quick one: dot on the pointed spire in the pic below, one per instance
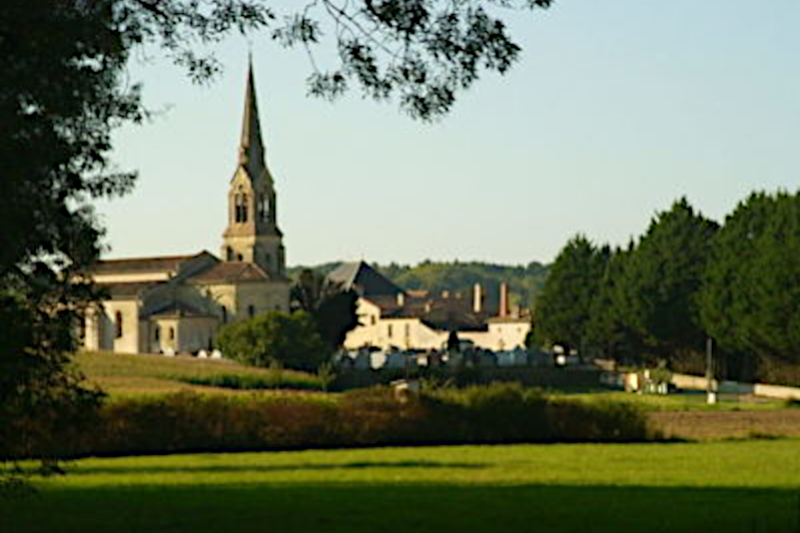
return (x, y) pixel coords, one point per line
(251, 148)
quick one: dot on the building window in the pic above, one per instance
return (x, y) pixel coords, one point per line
(224, 315)
(118, 320)
(389, 331)
(373, 320)
(240, 203)
(229, 253)
(171, 333)
(239, 257)
(263, 208)
(157, 333)
(251, 310)
(408, 330)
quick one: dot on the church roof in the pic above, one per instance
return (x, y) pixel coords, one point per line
(139, 265)
(178, 308)
(251, 145)
(363, 279)
(231, 271)
(124, 291)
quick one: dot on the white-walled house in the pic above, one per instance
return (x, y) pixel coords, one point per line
(391, 317)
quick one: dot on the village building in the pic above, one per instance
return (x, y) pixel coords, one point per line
(177, 304)
(393, 318)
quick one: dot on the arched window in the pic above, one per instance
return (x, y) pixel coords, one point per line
(229, 253)
(240, 203)
(171, 333)
(263, 208)
(157, 333)
(118, 320)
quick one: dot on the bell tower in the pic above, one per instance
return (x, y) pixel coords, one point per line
(252, 234)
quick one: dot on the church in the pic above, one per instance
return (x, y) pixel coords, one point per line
(176, 304)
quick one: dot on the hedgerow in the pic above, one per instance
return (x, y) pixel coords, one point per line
(500, 413)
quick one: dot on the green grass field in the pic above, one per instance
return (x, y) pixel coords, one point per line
(125, 375)
(747, 486)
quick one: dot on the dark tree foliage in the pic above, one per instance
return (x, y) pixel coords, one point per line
(420, 52)
(607, 330)
(662, 279)
(423, 52)
(291, 339)
(751, 297)
(453, 344)
(332, 307)
(564, 306)
(59, 99)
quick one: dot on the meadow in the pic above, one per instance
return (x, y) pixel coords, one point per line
(735, 478)
(123, 375)
(682, 416)
(735, 486)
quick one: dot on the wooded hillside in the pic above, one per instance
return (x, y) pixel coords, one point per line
(525, 281)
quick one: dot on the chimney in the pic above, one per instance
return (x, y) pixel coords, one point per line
(477, 298)
(503, 311)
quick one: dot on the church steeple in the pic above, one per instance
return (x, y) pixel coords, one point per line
(251, 146)
(252, 234)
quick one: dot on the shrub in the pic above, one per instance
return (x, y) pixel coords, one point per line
(250, 382)
(600, 421)
(773, 370)
(188, 422)
(291, 339)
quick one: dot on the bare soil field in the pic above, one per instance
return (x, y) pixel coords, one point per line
(714, 425)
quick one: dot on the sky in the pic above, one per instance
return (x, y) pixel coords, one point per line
(615, 110)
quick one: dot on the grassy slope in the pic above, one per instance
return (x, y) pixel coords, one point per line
(121, 374)
(725, 486)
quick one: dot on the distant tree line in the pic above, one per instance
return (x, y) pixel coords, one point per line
(685, 280)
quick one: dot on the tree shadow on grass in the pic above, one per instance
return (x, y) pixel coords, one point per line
(85, 470)
(417, 507)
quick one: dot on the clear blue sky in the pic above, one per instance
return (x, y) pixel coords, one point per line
(615, 110)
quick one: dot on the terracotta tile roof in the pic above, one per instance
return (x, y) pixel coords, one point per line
(230, 271)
